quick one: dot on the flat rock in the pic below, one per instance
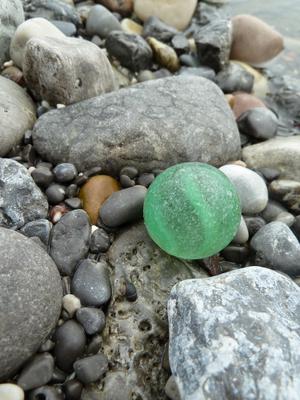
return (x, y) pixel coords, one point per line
(66, 70)
(281, 153)
(141, 324)
(11, 15)
(235, 336)
(277, 247)
(17, 114)
(30, 299)
(154, 124)
(21, 201)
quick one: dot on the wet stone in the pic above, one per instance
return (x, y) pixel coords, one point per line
(64, 172)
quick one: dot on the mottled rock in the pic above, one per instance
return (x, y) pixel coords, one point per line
(131, 50)
(32, 28)
(281, 153)
(94, 193)
(177, 13)
(70, 240)
(101, 22)
(55, 69)
(21, 201)
(37, 372)
(17, 114)
(11, 15)
(30, 299)
(164, 55)
(277, 247)
(139, 126)
(213, 43)
(91, 369)
(140, 325)
(254, 41)
(233, 336)
(156, 28)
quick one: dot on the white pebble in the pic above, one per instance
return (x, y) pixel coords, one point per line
(71, 304)
(242, 234)
(8, 391)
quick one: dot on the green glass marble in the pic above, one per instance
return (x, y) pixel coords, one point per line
(192, 211)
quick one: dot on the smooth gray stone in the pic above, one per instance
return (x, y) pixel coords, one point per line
(204, 72)
(260, 123)
(64, 172)
(277, 247)
(67, 28)
(21, 201)
(131, 50)
(42, 176)
(158, 29)
(17, 114)
(30, 299)
(11, 15)
(123, 206)
(55, 193)
(101, 22)
(70, 240)
(40, 228)
(91, 283)
(92, 319)
(91, 369)
(70, 341)
(236, 336)
(37, 372)
(139, 126)
(72, 389)
(235, 78)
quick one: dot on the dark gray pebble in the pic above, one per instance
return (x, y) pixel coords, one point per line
(65, 172)
(42, 176)
(46, 393)
(126, 182)
(73, 202)
(72, 389)
(145, 179)
(235, 78)
(260, 123)
(180, 43)
(71, 190)
(70, 341)
(40, 228)
(95, 345)
(55, 193)
(189, 60)
(296, 227)
(37, 372)
(236, 254)
(91, 369)
(131, 172)
(100, 241)
(58, 376)
(92, 319)
(131, 293)
(254, 224)
(47, 346)
(123, 206)
(158, 29)
(91, 283)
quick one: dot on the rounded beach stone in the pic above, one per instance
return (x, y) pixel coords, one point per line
(253, 41)
(192, 211)
(30, 299)
(9, 391)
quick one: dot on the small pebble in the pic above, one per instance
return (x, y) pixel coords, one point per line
(65, 172)
(131, 293)
(260, 123)
(71, 190)
(46, 393)
(126, 182)
(47, 346)
(58, 376)
(37, 372)
(92, 319)
(91, 369)
(242, 234)
(42, 176)
(236, 254)
(71, 304)
(9, 391)
(145, 179)
(40, 228)
(100, 241)
(55, 193)
(57, 212)
(254, 224)
(73, 203)
(131, 172)
(72, 389)
(95, 345)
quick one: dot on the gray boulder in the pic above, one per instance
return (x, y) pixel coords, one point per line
(30, 299)
(154, 124)
(11, 15)
(17, 114)
(136, 331)
(21, 201)
(236, 336)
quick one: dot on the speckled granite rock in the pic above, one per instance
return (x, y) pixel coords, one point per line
(154, 124)
(236, 336)
(21, 201)
(136, 332)
(30, 299)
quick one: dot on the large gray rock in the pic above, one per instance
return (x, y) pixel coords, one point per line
(17, 114)
(66, 70)
(11, 15)
(236, 336)
(30, 299)
(154, 124)
(281, 153)
(21, 201)
(136, 332)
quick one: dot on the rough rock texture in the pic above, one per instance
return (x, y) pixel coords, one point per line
(281, 153)
(11, 15)
(140, 325)
(236, 336)
(151, 125)
(69, 241)
(21, 201)
(17, 114)
(35, 27)
(66, 70)
(30, 299)
(176, 13)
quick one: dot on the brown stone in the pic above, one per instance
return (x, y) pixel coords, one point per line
(164, 55)
(254, 41)
(94, 193)
(244, 102)
(14, 74)
(123, 7)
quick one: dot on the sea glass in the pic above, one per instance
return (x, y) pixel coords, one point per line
(192, 211)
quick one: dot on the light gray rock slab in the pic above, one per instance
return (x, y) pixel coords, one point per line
(237, 336)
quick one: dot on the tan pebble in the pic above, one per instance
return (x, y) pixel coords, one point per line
(164, 55)
(71, 304)
(130, 26)
(244, 102)
(230, 99)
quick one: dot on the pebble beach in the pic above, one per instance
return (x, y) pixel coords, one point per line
(149, 200)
